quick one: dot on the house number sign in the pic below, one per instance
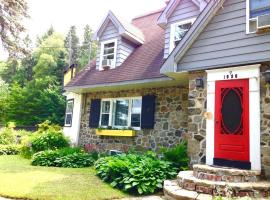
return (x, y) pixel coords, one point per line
(230, 75)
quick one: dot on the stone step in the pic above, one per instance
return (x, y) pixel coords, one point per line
(172, 191)
(213, 173)
(187, 181)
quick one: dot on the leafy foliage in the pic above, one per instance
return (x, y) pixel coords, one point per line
(135, 173)
(7, 136)
(49, 140)
(12, 14)
(67, 157)
(177, 155)
(10, 149)
(46, 138)
(39, 100)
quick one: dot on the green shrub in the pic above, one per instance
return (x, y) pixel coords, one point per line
(11, 149)
(7, 136)
(42, 141)
(49, 140)
(47, 125)
(67, 157)
(135, 173)
(177, 155)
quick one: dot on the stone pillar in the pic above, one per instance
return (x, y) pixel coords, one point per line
(265, 124)
(196, 121)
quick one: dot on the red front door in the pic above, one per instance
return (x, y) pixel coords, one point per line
(232, 123)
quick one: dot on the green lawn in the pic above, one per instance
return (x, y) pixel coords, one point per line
(19, 179)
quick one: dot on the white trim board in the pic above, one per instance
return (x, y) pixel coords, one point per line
(73, 131)
(251, 72)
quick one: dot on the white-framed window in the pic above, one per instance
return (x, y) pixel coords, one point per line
(121, 112)
(69, 112)
(178, 31)
(255, 8)
(108, 54)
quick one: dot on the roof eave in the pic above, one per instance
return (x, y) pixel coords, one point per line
(122, 83)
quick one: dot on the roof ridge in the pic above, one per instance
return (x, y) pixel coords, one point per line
(148, 14)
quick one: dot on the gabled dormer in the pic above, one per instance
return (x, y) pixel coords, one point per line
(117, 39)
(177, 18)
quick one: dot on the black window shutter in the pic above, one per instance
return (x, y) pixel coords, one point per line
(148, 112)
(94, 113)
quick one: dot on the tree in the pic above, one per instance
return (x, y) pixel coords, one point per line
(3, 101)
(51, 57)
(49, 32)
(39, 100)
(72, 45)
(87, 46)
(9, 69)
(12, 13)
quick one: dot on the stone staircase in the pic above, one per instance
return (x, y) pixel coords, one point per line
(205, 181)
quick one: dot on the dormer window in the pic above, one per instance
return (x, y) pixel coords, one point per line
(178, 31)
(108, 54)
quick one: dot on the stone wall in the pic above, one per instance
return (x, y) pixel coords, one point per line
(171, 121)
(196, 122)
(265, 123)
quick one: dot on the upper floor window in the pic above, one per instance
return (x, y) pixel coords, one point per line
(121, 113)
(259, 7)
(108, 54)
(178, 31)
(69, 112)
(255, 9)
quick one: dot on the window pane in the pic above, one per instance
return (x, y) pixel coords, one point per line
(183, 27)
(181, 30)
(136, 106)
(259, 7)
(68, 119)
(69, 107)
(111, 56)
(105, 107)
(109, 51)
(135, 120)
(108, 45)
(105, 119)
(121, 113)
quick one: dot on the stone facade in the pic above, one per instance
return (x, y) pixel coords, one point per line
(171, 121)
(265, 123)
(196, 121)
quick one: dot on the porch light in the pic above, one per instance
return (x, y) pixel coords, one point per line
(267, 76)
(199, 82)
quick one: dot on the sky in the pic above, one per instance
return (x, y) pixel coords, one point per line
(61, 14)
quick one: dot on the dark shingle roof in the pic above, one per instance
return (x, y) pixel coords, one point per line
(144, 62)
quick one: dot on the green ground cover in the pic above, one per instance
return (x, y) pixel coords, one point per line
(18, 179)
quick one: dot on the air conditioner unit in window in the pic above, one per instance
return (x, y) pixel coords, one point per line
(107, 63)
(263, 23)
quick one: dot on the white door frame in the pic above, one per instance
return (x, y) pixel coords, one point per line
(251, 72)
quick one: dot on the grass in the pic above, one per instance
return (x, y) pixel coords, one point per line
(18, 179)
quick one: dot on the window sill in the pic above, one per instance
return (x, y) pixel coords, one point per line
(121, 133)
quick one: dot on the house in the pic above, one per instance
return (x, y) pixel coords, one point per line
(195, 70)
